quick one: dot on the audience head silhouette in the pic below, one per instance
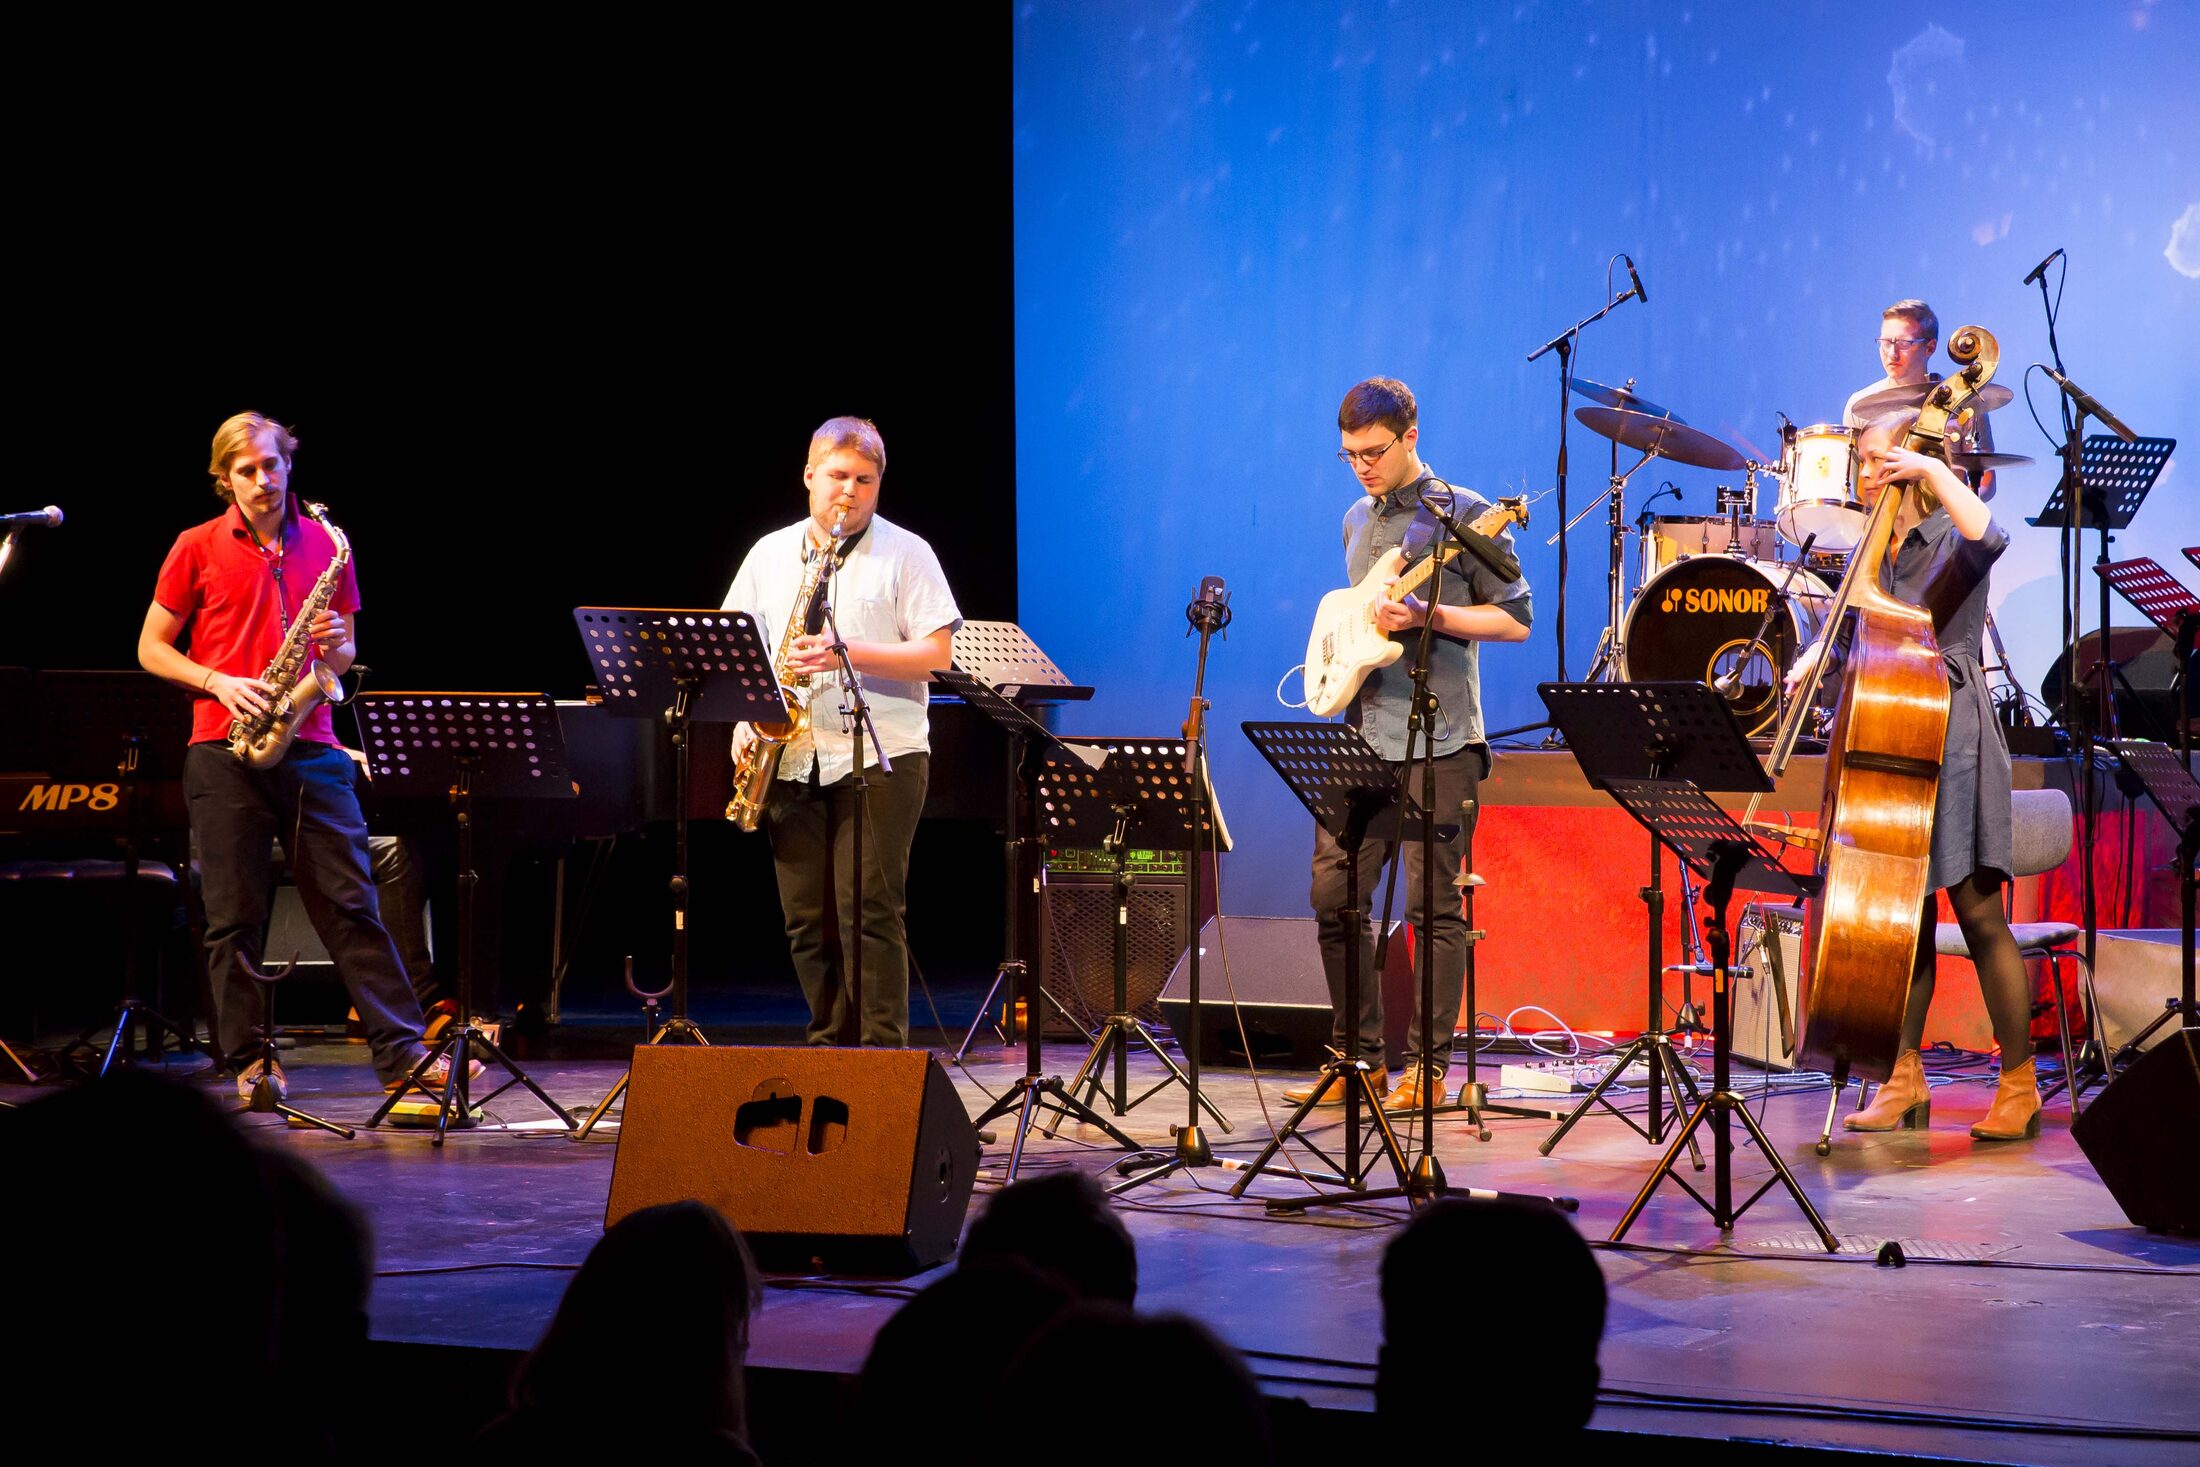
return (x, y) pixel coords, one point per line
(654, 1327)
(1514, 1260)
(1060, 1225)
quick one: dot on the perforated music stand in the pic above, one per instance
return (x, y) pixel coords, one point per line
(1002, 656)
(2166, 775)
(131, 727)
(1655, 731)
(1033, 1091)
(1690, 824)
(686, 666)
(501, 746)
(2114, 477)
(2175, 610)
(1140, 797)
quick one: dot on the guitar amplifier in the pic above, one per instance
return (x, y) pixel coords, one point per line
(1767, 963)
(1077, 931)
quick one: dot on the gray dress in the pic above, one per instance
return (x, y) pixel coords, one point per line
(1938, 569)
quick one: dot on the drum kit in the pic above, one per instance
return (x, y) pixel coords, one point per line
(1705, 583)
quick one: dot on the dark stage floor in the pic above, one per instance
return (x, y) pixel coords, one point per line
(2033, 1323)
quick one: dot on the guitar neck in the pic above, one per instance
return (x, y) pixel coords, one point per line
(1491, 520)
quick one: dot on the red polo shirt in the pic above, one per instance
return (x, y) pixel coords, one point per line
(241, 598)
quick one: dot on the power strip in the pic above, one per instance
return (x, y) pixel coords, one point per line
(1566, 1076)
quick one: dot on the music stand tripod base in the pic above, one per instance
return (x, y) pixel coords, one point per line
(684, 665)
(467, 746)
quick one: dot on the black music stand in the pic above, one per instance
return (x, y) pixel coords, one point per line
(2167, 778)
(469, 745)
(266, 1101)
(1032, 1091)
(2100, 489)
(1681, 731)
(1142, 797)
(1686, 820)
(142, 721)
(686, 667)
(1353, 794)
(1001, 655)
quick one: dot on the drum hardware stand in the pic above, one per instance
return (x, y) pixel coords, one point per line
(495, 745)
(1606, 663)
(1674, 733)
(1034, 1090)
(685, 667)
(1564, 344)
(264, 1099)
(1002, 656)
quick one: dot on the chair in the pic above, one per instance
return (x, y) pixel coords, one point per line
(2040, 842)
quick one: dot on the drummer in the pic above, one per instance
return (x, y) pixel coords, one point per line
(1908, 333)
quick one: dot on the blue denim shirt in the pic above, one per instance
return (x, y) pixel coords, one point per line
(1373, 526)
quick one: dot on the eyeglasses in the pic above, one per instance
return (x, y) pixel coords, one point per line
(1904, 342)
(1367, 456)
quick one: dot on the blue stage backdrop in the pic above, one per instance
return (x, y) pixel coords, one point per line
(1226, 214)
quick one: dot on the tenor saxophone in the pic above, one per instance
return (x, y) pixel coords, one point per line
(758, 764)
(300, 679)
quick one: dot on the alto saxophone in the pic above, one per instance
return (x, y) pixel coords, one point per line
(758, 764)
(300, 680)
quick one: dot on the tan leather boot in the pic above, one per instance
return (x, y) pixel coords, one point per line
(2015, 1113)
(1904, 1101)
(1334, 1093)
(1407, 1095)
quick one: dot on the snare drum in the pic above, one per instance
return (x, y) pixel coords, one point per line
(1672, 537)
(1818, 489)
(1694, 621)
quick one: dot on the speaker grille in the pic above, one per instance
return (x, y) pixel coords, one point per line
(1077, 930)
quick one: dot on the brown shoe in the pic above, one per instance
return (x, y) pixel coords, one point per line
(2015, 1113)
(1408, 1094)
(1334, 1095)
(1904, 1101)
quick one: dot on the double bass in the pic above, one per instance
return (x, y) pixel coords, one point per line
(1862, 926)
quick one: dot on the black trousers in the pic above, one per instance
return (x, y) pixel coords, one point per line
(307, 803)
(812, 832)
(1458, 778)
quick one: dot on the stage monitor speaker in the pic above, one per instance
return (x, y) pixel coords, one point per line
(1764, 985)
(859, 1159)
(1276, 969)
(2142, 1135)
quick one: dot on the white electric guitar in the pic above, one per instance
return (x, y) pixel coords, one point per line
(1347, 645)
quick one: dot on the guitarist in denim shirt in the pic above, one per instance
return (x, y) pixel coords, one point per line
(1380, 442)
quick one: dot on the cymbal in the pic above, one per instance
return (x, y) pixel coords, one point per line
(1622, 397)
(1992, 460)
(1991, 398)
(1665, 437)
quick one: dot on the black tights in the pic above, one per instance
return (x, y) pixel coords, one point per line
(2001, 976)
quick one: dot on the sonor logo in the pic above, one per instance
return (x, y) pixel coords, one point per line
(59, 797)
(1751, 601)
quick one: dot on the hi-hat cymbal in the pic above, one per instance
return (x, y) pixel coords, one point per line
(1991, 398)
(1665, 437)
(1622, 397)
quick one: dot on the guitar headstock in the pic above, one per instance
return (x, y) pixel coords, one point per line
(1512, 509)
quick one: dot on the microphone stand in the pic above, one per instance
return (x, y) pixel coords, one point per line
(855, 716)
(1207, 615)
(1564, 344)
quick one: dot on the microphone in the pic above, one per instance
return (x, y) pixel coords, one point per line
(2041, 268)
(2086, 401)
(1631, 275)
(45, 518)
(1210, 610)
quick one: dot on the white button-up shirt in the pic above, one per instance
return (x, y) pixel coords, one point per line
(889, 589)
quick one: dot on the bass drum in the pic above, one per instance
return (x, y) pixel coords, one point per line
(1695, 620)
